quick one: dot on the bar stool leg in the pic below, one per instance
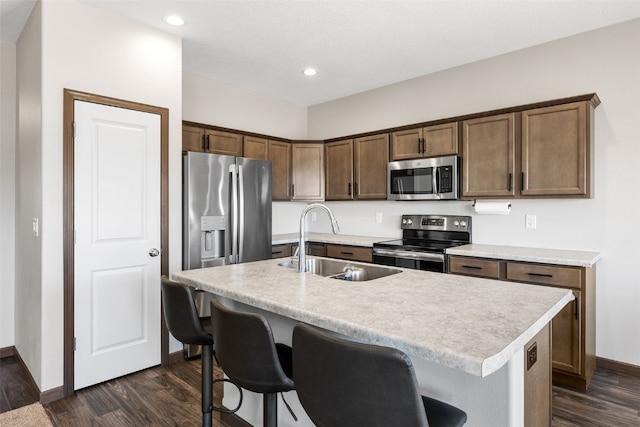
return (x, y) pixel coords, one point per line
(207, 384)
(270, 410)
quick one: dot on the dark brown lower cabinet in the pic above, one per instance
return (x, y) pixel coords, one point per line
(353, 253)
(537, 380)
(289, 249)
(573, 330)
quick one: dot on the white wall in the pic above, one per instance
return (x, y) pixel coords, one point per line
(605, 61)
(90, 50)
(210, 102)
(7, 190)
(28, 248)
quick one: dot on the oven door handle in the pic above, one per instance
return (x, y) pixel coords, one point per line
(427, 256)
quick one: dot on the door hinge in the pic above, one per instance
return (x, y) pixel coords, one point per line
(73, 125)
(74, 343)
(74, 237)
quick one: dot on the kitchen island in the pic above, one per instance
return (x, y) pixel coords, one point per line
(465, 336)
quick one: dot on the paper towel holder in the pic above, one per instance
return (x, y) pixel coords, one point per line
(491, 208)
(476, 200)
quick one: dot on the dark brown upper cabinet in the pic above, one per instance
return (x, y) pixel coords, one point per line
(429, 141)
(356, 169)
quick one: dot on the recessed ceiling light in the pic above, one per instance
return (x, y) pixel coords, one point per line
(174, 20)
(309, 72)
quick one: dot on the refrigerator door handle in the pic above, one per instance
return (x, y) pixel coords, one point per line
(239, 231)
(233, 215)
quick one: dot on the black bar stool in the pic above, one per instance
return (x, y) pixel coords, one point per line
(344, 383)
(249, 356)
(184, 324)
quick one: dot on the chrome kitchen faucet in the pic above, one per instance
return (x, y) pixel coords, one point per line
(302, 251)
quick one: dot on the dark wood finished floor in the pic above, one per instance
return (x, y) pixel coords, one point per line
(15, 387)
(170, 396)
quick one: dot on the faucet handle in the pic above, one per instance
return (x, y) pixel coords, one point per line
(297, 251)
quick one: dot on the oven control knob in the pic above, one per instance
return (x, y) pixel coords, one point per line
(409, 221)
(463, 224)
(456, 223)
(404, 221)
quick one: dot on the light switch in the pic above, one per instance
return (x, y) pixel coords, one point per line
(378, 217)
(36, 227)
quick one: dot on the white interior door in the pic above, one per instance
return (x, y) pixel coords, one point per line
(117, 234)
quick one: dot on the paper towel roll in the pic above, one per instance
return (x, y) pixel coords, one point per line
(492, 208)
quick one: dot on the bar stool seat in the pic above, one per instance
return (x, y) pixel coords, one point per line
(344, 383)
(248, 355)
(182, 320)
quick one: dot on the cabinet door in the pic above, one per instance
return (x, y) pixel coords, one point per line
(406, 144)
(554, 150)
(280, 156)
(566, 330)
(440, 140)
(307, 172)
(371, 158)
(488, 156)
(223, 143)
(255, 148)
(339, 170)
(192, 138)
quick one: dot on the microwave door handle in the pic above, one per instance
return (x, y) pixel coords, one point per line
(434, 180)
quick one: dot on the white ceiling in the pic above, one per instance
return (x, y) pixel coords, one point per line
(355, 45)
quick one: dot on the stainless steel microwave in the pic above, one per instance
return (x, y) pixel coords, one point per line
(423, 179)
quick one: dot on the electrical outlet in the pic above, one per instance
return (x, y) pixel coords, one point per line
(35, 226)
(313, 216)
(378, 217)
(532, 355)
(530, 221)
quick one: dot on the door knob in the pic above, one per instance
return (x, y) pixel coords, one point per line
(153, 252)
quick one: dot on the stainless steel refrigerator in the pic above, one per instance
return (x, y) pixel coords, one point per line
(226, 214)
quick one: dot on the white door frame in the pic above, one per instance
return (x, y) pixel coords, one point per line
(68, 226)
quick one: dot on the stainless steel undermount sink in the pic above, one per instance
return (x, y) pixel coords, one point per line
(342, 270)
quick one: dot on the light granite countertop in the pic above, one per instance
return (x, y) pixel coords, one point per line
(516, 253)
(338, 239)
(469, 324)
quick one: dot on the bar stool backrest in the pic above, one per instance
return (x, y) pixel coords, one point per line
(343, 383)
(246, 350)
(181, 315)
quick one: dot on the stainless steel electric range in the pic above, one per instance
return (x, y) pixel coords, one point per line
(424, 241)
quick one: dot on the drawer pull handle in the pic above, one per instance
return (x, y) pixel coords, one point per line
(541, 275)
(473, 267)
(346, 253)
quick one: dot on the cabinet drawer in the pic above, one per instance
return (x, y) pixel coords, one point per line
(281, 251)
(566, 277)
(488, 268)
(316, 249)
(313, 249)
(355, 253)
